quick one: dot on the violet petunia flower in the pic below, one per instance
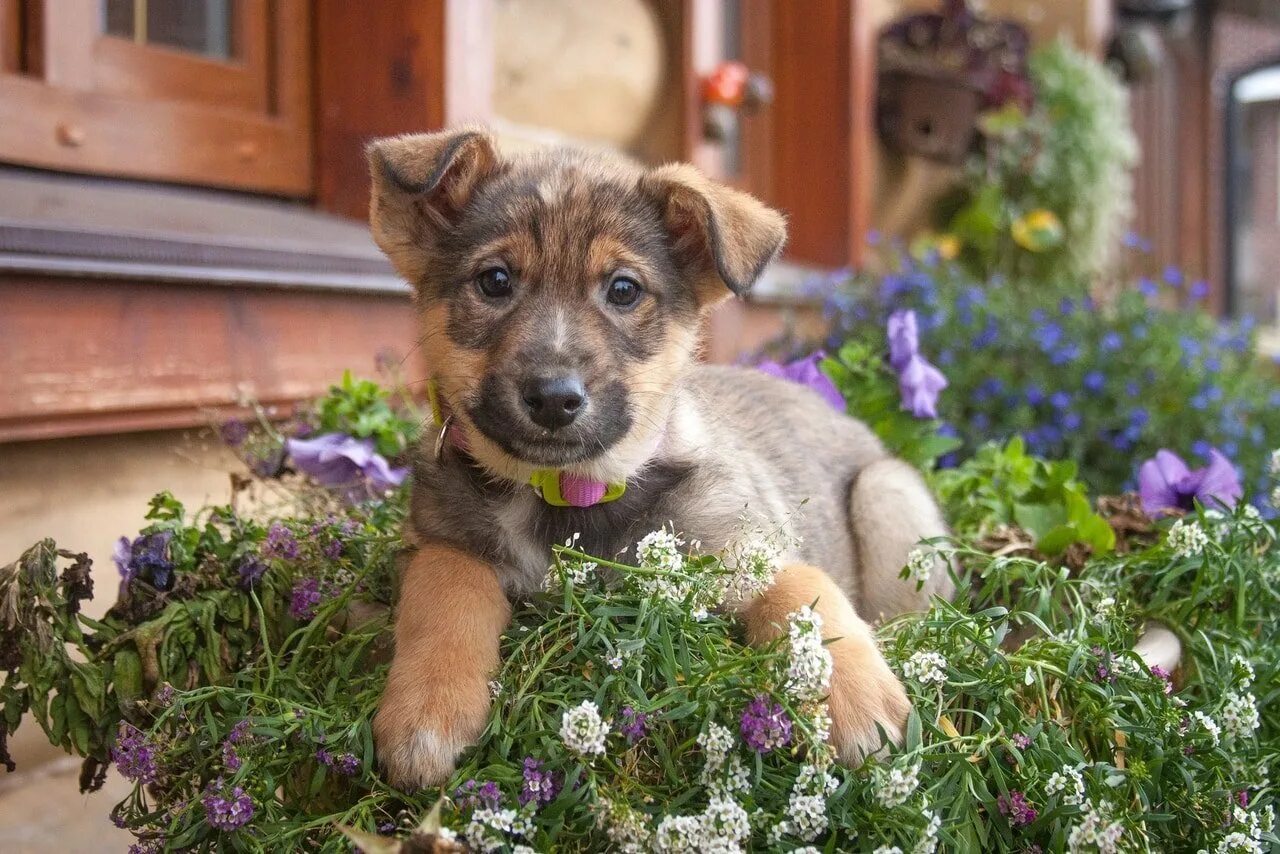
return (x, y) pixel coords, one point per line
(147, 556)
(336, 459)
(919, 382)
(806, 372)
(1165, 483)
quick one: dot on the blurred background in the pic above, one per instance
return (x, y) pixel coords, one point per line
(183, 195)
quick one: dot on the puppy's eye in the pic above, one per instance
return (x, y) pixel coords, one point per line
(494, 283)
(623, 292)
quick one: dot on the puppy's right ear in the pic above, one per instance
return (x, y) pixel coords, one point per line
(421, 184)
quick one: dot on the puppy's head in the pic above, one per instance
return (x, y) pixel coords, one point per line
(561, 291)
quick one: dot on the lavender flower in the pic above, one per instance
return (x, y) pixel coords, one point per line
(540, 786)
(346, 764)
(1166, 483)
(147, 557)
(308, 595)
(806, 372)
(234, 432)
(635, 725)
(919, 382)
(251, 569)
(1014, 805)
(765, 725)
(1020, 741)
(135, 754)
(1164, 676)
(227, 810)
(336, 459)
(280, 543)
(474, 794)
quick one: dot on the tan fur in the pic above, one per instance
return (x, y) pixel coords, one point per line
(865, 694)
(450, 616)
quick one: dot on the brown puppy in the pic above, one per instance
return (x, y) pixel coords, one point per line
(561, 295)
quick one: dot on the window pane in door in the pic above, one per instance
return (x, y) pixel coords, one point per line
(203, 27)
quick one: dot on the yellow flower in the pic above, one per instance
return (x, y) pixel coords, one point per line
(1038, 230)
(947, 246)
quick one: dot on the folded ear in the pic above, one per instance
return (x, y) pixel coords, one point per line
(421, 184)
(724, 238)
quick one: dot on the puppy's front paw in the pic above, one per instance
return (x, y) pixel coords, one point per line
(420, 731)
(866, 697)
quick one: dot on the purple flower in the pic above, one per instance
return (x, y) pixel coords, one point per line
(227, 810)
(251, 569)
(1095, 381)
(134, 754)
(308, 595)
(475, 794)
(336, 459)
(280, 543)
(765, 725)
(1164, 676)
(147, 556)
(1014, 805)
(635, 725)
(1166, 483)
(234, 432)
(918, 381)
(346, 764)
(540, 786)
(332, 549)
(806, 372)
(1020, 741)
(122, 554)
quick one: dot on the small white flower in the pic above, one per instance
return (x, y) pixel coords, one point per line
(1069, 783)
(927, 668)
(1187, 538)
(753, 564)
(920, 563)
(1239, 715)
(1209, 725)
(678, 833)
(614, 661)
(1244, 671)
(735, 781)
(815, 780)
(625, 827)
(1104, 612)
(808, 849)
(1275, 462)
(582, 572)
(495, 688)
(1275, 498)
(489, 828)
(895, 786)
(806, 816)
(523, 849)
(810, 666)
(1095, 832)
(822, 725)
(928, 842)
(660, 550)
(725, 825)
(1238, 843)
(887, 849)
(582, 730)
(716, 742)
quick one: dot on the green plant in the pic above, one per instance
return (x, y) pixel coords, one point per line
(366, 410)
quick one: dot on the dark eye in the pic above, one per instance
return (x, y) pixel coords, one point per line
(623, 292)
(494, 283)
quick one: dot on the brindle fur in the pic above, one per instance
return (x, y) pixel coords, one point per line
(700, 447)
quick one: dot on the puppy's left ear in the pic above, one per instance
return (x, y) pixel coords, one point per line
(723, 238)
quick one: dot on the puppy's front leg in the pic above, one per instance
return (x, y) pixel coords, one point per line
(864, 691)
(451, 615)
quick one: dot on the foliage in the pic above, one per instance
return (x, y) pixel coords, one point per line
(366, 410)
(1006, 486)
(1104, 381)
(252, 697)
(1049, 193)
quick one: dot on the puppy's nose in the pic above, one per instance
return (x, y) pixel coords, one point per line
(553, 402)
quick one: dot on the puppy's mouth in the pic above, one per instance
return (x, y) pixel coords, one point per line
(604, 423)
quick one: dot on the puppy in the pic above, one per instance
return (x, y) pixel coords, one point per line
(561, 295)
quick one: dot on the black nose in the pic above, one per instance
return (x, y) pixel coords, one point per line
(553, 402)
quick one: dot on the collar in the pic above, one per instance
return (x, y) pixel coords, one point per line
(556, 487)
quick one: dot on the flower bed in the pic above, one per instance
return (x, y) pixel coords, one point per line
(236, 676)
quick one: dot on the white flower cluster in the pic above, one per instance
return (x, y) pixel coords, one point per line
(1238, 842)
(1247, 838)
(807, 805)
(1275, 462)
(1239, 715)
(716, 742)
(887, 849)
(1095, 832)
(625, 827)
(489, 828)
(920, 563)
(582, 730)
(928, 841)
(753, 563)
(895, 786)
(1069, 783)
(1187, 538)
(810, 665)
(660, 551)
(1209, 725)
(1104, 612)
(927, 668)
(821, 725)
(721, 828)
(1244, 672)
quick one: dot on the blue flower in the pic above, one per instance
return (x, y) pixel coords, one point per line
(1066, 306)
(1199, 289)
(1174, 276)
(988, 336)
(1139, 417)
(1035, 395)
(1065, 355)
(1147, 287)
(1095, 381)
(1060, 400)
(1049, 335)
(1072, 421)
(1112, 342)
